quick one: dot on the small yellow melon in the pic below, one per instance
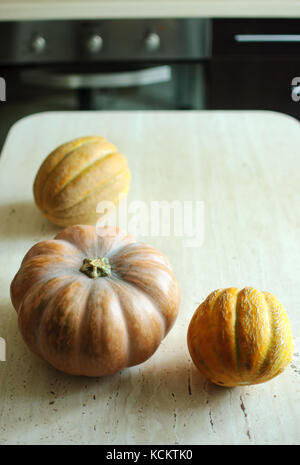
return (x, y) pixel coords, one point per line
(78, 175)
(240, 337)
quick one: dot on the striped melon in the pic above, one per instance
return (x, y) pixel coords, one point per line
(240, 337)
(76, 176)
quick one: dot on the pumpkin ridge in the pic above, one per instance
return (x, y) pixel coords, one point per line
(85, 240)
(82, 320)
(20, 277)
(60, 259)
(280, 370)
(200, 359)
(115, 284)
(83, 170)
(113, 251)
(39, 180)
(134, 280)
(29, 256)
(147, 297)
(220, 371)
(136, 274)
(265, 375)
(236, 338)
(105, 183)
(213, 301)
(66, 155)
(264, 363)
(49, 309)
(151, 299)
(140, 255)
(223, 317)
(41, 307)
(125, 268)
(195, 348)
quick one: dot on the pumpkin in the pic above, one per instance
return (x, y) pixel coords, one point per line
(240, 337)
(76, 176)
(93, 301)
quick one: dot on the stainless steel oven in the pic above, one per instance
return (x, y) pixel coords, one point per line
(103, 64)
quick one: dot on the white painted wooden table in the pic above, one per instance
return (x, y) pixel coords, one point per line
(245, 166)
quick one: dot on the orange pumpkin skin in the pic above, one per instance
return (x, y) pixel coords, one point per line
(78, 175)
(240, 337)
(83, 324)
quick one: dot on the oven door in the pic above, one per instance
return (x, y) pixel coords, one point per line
(119, 87)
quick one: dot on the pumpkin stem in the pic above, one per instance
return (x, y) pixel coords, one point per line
(96, 267)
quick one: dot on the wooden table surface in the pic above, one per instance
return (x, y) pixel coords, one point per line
(245, 167)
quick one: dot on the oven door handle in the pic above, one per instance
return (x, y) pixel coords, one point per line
(264, 38)
(134, 78)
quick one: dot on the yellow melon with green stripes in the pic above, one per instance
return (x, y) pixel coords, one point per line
(77, 176)
(240, 337)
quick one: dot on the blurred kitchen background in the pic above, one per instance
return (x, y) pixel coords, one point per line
(189, 63)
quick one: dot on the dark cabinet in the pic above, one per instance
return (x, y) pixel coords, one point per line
(254, 65)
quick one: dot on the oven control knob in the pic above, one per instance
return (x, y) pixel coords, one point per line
(38, 44)
(94, 44)
(152, 42)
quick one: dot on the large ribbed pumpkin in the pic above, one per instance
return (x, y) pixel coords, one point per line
(240, 337)
(92, 303)
(76, 176)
